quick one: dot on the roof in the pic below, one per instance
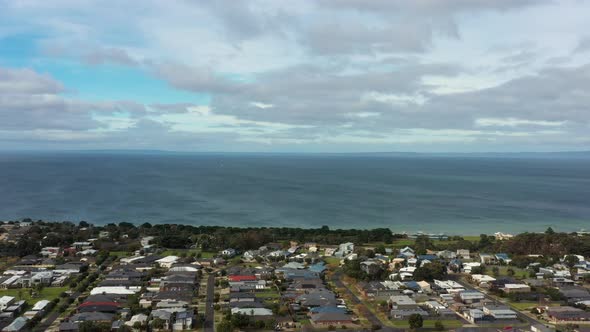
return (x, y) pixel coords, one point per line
(402, 300)
(17, 324)
(331, 317)
(252, 311)
(40, 305)
(242, 278)
(115, 290)
(168, 259)
(92, 316)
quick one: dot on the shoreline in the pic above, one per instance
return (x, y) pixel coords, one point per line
(409, 234)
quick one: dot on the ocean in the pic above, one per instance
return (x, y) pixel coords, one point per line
(455, 195)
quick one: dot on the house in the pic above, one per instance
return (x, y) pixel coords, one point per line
(471, 296)
(164, 315)
(468, 266)
(183, 321)
(331, 318)
(482, 280)
(19, 324)
(371, 267)
(566, 313)
(407, 252)
(379, 290)
(474, 315)
(255, 312)
(167, 261)
(92, 317)
(251, 255)
(402, 302)
(344, 249)
(40, 306)
(229, 252)
(463, 254)
(516, 288)
(499, 312)
(446, 254)
(449, 286)
(68, 327)
(486, 258)
(119, 290)
(5, 302)
(139, 318)
(503, 258)
(574, 294)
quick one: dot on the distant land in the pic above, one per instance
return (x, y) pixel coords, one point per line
(523, 154)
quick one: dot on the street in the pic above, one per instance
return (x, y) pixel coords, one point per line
(209, 325)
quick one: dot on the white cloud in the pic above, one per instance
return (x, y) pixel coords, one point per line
(514, 122)
(261, 105)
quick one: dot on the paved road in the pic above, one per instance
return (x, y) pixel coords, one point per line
(337, 278)
(497, 301)
(209, 312)
(46, 324)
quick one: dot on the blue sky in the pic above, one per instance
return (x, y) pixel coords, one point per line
(305, 76)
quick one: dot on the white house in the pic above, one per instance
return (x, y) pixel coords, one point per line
(167, 261)
(229, 252)
(5, 302)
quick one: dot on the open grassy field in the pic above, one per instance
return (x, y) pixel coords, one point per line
(48, 293)
(188, 252)
(273, 294)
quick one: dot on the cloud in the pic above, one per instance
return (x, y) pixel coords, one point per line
(514, 122)
(195, 79)
(109, 55)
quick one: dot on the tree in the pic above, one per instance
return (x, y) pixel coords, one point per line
(549, 231)
(429, 272)
(439, 326)
(495, 271)
(415, 321)
(158, 323)
(224, 326)
(571, 260)
(510, 271)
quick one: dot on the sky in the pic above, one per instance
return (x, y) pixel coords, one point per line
(295, 76)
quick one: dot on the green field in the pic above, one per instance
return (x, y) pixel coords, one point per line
(48, 293)
(267, 294)
(178, 252)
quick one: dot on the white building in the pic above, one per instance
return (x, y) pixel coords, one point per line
(167, 261)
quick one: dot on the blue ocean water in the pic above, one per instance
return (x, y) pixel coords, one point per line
(456, 195)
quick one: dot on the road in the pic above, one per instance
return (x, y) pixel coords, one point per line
(209, 324)
(370, 316)
(497, 301)
(46, 324)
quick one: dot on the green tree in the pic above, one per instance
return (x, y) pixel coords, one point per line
(415, 321)
(439, 326)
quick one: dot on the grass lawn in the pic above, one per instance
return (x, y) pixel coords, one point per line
(332, 261)
(267, 294)
(119, 254)
(178, 252)
(48, 293)
(529, 305)
(518, 273)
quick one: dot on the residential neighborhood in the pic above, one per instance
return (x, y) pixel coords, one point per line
(127, 278)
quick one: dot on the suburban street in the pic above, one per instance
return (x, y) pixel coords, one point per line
(497, 301)
(50, 319)
(374, 320)
(209, 325)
